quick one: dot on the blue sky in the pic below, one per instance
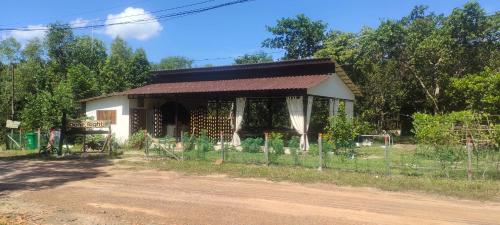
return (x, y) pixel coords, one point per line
(209, 36)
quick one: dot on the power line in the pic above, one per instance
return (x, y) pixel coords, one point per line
(152, 12)
(154, 19)
(85, 12)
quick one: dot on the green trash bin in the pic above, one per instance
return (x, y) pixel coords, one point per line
(31, 141)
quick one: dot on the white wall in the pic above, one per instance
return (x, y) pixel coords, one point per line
(122, 106)
(332, 87)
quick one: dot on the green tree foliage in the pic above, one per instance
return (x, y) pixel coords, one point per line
(414, 63)
(89, 52)
(52, 74)
(173, 63)
(259, 57)
(301, 37)
(341, 130)
(124, 68)
(480, 92)
(59, 41)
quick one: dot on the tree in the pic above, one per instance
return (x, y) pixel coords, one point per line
(480, 92)
(140, 70)
(59, 41)
(117, 67)
(259, 57)
(10, 50)
(90, 52)
(173, 63)
(300, 36)
(341, 46)
(83, 82)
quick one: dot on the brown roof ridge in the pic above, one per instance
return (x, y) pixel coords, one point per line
(281, 63)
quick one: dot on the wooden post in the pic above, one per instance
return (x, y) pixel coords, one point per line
(21, 138)
(62, 135)
(222, 145)
(304, 104)
(386, 155)
(320, 148)
(110, 140)
(266, 147)
(176, 133)
(469, 156)
(38, 144)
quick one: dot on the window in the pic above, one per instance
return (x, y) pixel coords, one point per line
(109, 115)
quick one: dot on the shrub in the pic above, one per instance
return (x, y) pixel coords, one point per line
(341, 131)
(252, 145)
(137, 140)
(188, 142)
(276, 144)
(203, 142)
(294, 146)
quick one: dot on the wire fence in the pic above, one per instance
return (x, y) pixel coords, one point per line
(371, 154)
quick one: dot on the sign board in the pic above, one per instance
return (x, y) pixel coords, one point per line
(12, 124)
(88, 124)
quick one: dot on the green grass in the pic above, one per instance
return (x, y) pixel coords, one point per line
(478, 190)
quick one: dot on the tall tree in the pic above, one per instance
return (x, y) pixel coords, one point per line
(174, 62)
(301, 37)
(140, 69)
(258, 57)
(59, 41)
(117, 67)
(90, 52)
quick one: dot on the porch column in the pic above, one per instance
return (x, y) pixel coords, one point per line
(304, 105)
(336, 103)
(349, 108)
(331, 103)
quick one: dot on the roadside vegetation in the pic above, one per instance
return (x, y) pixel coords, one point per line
(478, 190)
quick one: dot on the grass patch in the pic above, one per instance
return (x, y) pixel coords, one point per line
(477, 190)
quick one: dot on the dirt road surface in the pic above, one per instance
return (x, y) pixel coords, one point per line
(98, 192)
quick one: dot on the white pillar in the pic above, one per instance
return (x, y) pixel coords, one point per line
(336, 106)
(331, 103)
(349, 108)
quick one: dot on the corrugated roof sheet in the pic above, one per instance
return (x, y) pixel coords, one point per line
(249, 84)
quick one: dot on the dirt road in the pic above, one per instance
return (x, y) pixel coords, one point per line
(97, 192)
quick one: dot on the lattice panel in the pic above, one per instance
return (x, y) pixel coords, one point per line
(157, 122)
(213, 126)
(135, 120)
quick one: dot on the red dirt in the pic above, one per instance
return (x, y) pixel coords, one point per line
(97, 192)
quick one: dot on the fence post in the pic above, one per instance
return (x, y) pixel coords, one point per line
(21, 138)
(222, 145)
(320, 148)
(38, 138)
(266, 147)
(469, 158)
(386, 151)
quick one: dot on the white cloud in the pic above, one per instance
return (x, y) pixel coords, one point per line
(79, 22)
(21, 35)
(140, 30)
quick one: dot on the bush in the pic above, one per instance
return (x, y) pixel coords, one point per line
(341, 131)
(276, 144)
(252, 145)
(188, 142)
(137, 140)
(203, 142)
(294, 146)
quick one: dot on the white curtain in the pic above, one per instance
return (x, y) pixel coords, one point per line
(296, 111)
(331, 103)
(240, 109)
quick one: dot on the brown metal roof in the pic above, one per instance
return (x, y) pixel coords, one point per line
(249, 84)
(283, 75)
